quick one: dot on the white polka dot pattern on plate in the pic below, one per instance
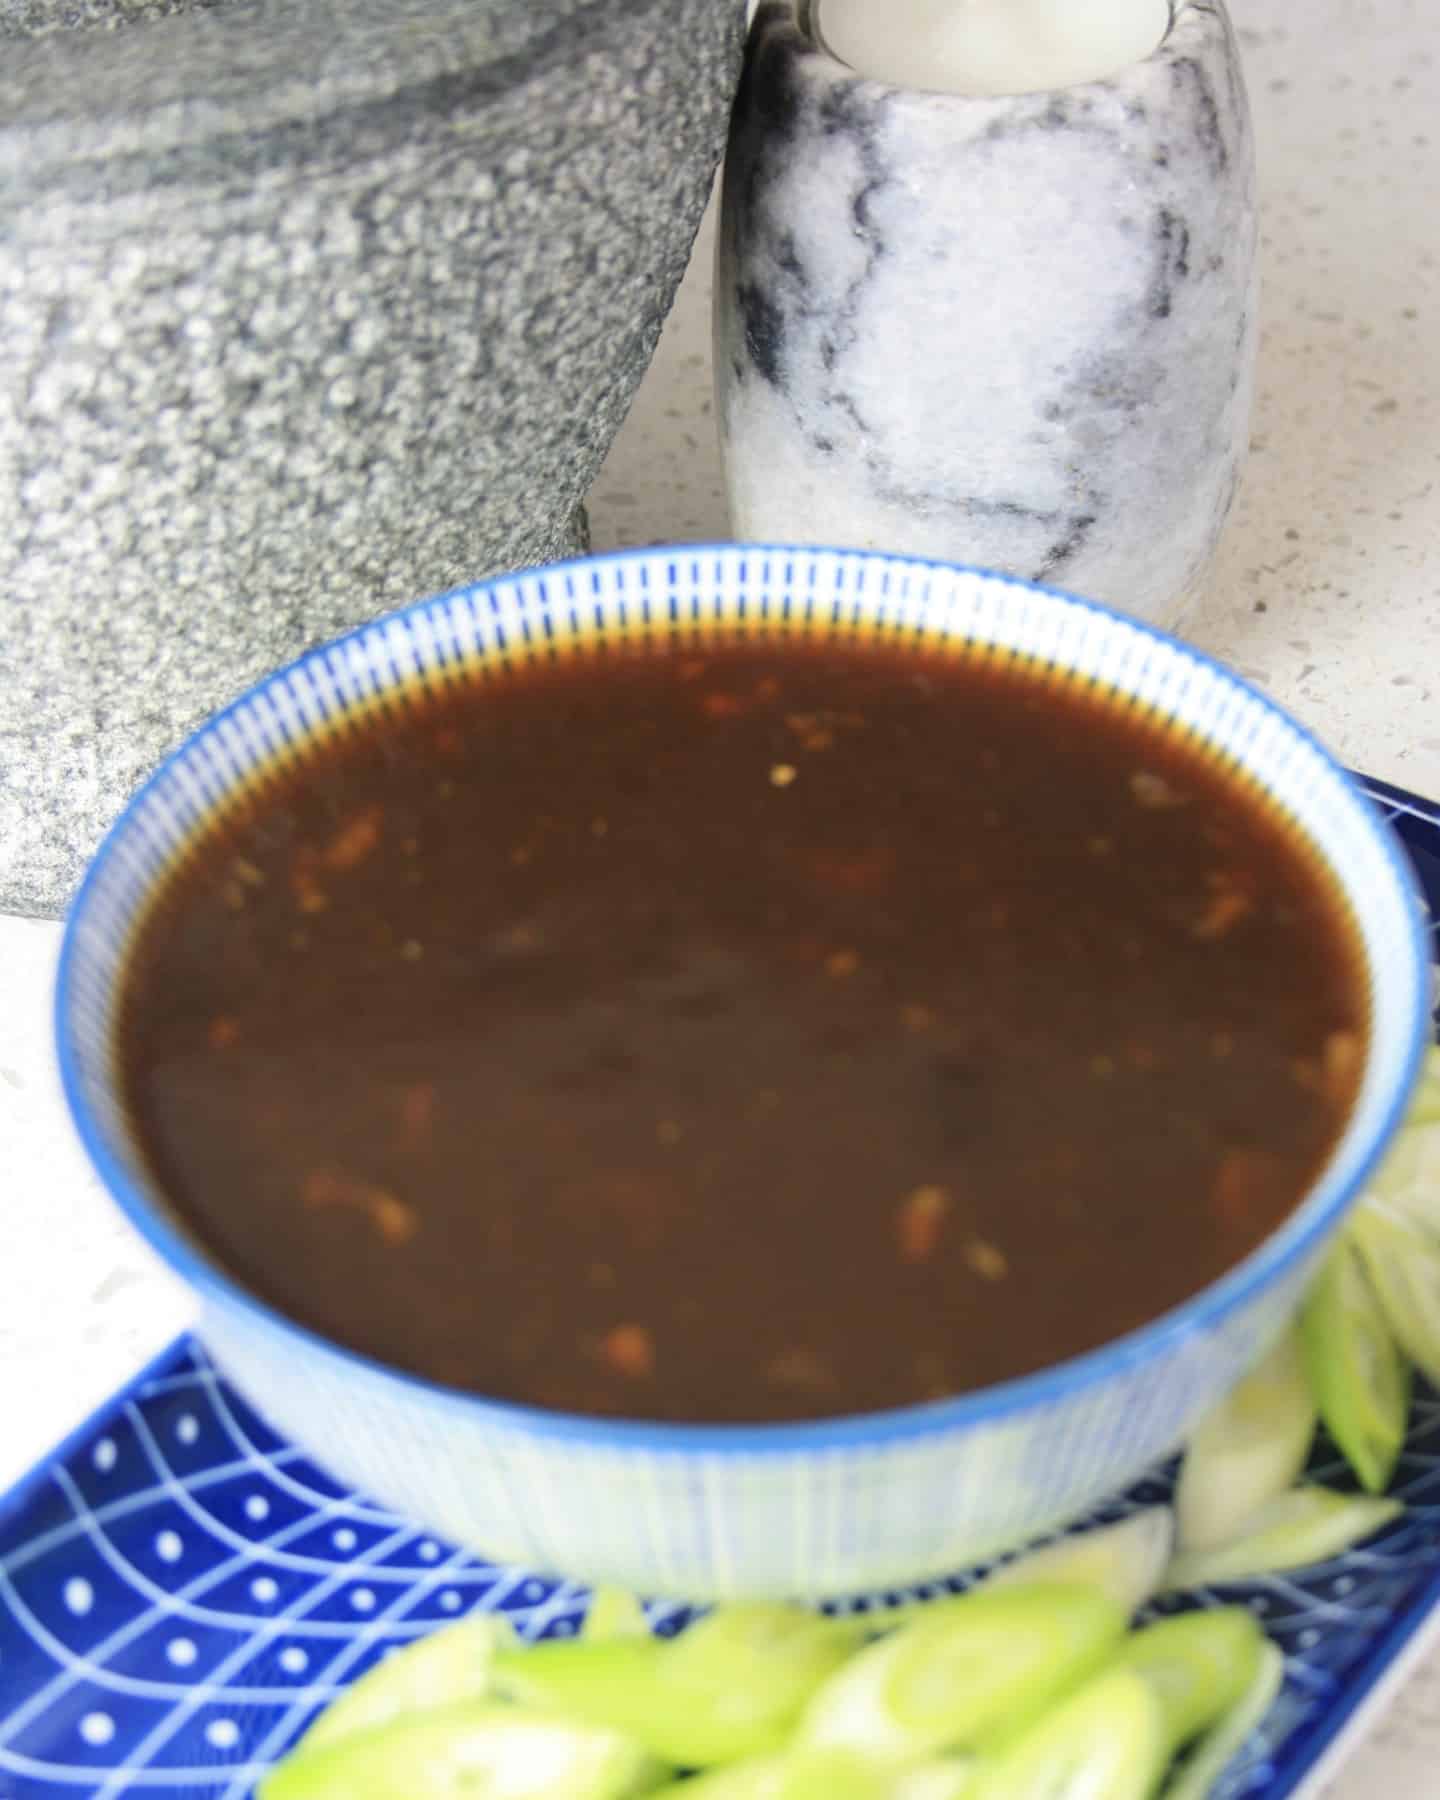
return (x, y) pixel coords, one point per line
(169, 1546)
(284, 1682)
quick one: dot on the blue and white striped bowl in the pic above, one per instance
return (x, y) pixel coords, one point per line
(716, 1511)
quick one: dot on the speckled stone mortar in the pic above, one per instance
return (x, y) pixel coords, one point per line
(306, 307)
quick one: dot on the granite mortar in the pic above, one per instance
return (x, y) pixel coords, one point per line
(308, 307)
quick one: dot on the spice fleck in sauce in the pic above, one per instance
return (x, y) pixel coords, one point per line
(748, 1033)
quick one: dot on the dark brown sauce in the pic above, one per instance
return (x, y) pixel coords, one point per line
(742, 1034)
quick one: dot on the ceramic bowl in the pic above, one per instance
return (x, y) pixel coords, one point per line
(814, 1509)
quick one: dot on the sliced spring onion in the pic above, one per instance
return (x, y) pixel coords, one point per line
(791, 1643)
(1105, 1742)
(613, 1613)
(1360, 1380)
(450, 1665)
(1425, 1102)
(1126, 1560)
(826, 1775)
(1247, 1451)
(797, 1775)
(967, 1671)
(1198, 1774)
(729, 1687)
(474, 1751)
(1410, 1173)
(1402, 1260)
(942, 1778)
(604, 1683)
(1199, 1664)
(1307, 1525)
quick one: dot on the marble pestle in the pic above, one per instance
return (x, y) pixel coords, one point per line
(1007, 328)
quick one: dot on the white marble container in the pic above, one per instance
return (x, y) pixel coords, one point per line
(1013, 331)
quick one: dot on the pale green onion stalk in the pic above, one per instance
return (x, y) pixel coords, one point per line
(792, 1775)
(1402, 1260)
(1396, 1227)
(827, 1775)
(1358, 1376)
(1199, 1665)
(965, 1673)
(450, 1665)
(474, 1751)
(1126, 1560)
(613, 1613)
(943, 1778)
(1310, 1524)
(1104, 1742)
(1408, 1180)
(1247, 1451)
(731, 1686)
(1197, 1775)
(1425, 1102)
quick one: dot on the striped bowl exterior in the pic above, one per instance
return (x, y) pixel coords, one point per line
(812, 1509)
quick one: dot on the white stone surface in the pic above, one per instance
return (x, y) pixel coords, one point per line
(1327, 592)
(1017, 332)
(82, 1301)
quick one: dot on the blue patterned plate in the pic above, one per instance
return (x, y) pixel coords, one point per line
(181, 1590)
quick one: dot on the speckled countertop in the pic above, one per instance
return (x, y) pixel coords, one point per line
(1327, 593)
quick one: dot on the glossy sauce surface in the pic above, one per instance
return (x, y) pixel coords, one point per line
(745, 1033)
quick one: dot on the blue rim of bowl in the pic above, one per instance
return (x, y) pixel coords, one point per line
(1301, 1233)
